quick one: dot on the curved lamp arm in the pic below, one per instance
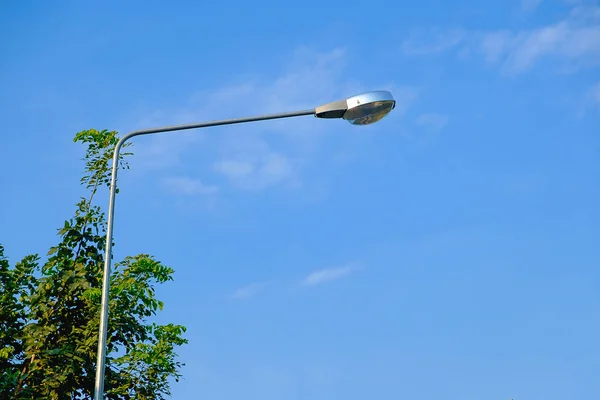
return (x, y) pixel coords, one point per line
(362, 109)
(101, 360)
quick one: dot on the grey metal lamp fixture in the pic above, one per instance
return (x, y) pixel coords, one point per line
(362, 109)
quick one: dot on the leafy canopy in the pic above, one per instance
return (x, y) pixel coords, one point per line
(49, 309)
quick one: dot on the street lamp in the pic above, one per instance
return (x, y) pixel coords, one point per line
(362, 109)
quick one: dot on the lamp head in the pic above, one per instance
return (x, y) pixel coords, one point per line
(362, 109)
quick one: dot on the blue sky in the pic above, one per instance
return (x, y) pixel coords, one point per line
(450, 251)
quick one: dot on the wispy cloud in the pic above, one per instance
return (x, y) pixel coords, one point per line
(595, 93)
(249, 291)
(572, 42)
(234, 169)
(530, 5)
(258, 171)
(264, 155)
(327, 275)
(592, 100)
(405, 97)
(188, 186)
(432, 122)
(432, 41)
(161, 152)
(286, 154)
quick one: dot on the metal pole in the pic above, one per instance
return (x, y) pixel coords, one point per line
(101, 360)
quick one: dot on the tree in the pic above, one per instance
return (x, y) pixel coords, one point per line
(49, 309)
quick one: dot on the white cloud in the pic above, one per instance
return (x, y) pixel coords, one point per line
(259, 172)
(249, 291)
(575, 40)
(249, 159)
(494, 45)
(405, 97)
(161, 152)
(432, 41)
(328, 275)
(595, 94)
(279, 153)
(188, 186)
(234, 169)
(306, 80)
(433, 122)
(530, 5)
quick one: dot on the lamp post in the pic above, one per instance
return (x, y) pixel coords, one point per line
(363, 109)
